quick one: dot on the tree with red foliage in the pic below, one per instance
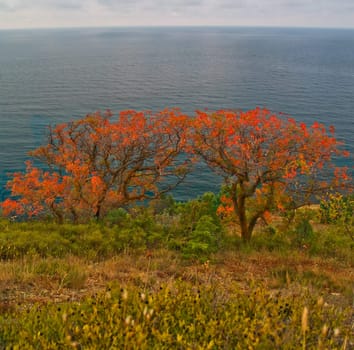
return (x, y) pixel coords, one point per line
(99, 163)
(267, 162)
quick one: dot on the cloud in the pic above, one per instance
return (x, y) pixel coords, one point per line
(154, 10)
(158, 6)
(12, 5)
(39, 5)
(153, 3)
(16, 13)
(60, 4)
(289, 6)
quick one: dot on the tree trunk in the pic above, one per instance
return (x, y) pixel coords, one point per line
(98, 213)
(240, 210)
(246, 234)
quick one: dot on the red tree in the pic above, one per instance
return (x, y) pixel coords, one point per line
(266, 161)
(98, 163)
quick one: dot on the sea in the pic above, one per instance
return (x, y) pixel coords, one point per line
(50, 76)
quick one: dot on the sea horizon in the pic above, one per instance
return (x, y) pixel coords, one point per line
(179, 26)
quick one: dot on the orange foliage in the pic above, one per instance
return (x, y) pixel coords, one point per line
(101, 162)
(266, 161)
(98, 163)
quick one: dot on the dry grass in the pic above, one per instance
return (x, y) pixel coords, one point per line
(40, 280)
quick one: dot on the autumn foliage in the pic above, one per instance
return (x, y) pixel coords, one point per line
(99, 163)
(268, 162)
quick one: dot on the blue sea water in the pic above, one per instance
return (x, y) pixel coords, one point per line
(53, 76)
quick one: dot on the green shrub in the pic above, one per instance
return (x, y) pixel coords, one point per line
(191, 212)
(337, 209)
(303, 233)
(300, 233)
(22, 239)
(118, 217)
(270, 239)
(203, 240)
(332, 242)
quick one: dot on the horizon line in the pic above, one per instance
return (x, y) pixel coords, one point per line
(176, 26)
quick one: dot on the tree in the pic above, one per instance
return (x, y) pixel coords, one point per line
(267, 162)
(99, 163)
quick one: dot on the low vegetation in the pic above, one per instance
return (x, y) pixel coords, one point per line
(176, 275)
(180, 316)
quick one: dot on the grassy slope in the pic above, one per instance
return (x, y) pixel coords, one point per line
(44, 264)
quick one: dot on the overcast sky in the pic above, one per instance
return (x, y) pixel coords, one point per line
(89, 13)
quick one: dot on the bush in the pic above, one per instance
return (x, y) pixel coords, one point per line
(332, 242)
(203, 240)
(339, 210)
(118, 217)
(270, 239)
(21, 239)
(191, 212)
(303, 233)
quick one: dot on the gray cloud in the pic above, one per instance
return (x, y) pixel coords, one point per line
(18, 5)
(60, 4)
(16, 13)
(12, 5)
(153, 5)
(303, 6)
(112, 4)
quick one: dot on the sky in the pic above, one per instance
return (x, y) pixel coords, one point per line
(93, 13)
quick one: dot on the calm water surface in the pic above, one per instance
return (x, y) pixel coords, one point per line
(52, 76)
